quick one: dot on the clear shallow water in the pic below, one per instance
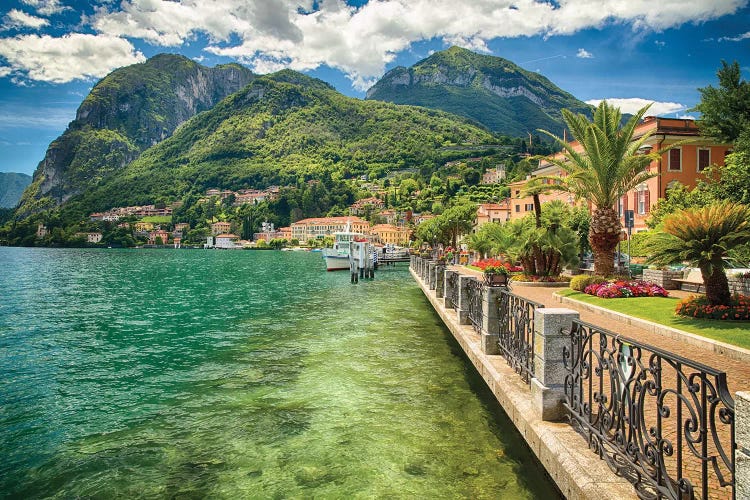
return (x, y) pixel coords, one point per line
(192, 374)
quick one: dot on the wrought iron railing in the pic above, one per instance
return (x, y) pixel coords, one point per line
(474, 289)
(663, 421)
(516, 316)
(451, 289)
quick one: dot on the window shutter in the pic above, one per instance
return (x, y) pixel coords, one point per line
(624, 202)
(635, 201)
(647, 199)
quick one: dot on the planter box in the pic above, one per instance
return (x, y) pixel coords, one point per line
(664, 279)
(496, 279)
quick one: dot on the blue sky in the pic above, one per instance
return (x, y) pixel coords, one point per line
(630, 52)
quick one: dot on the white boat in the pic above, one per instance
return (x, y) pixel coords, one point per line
(337, 257)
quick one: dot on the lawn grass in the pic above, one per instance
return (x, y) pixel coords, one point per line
(661, 310)
(157, 219)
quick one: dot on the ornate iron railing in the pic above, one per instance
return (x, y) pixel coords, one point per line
(516, 316)
(474, 289)
(451, 288)
(663, 421)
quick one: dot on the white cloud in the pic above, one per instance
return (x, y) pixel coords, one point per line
(659, 43)
(4, 71)
(71, 57)
(584, 54)
(633, 104)
(46, 7)
(361, 41)
(737, 38)
(19, 19)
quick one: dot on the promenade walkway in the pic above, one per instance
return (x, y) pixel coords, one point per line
(738, 372)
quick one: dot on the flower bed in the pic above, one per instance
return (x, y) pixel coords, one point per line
(541, 279)
(698, 307)
(623, 289)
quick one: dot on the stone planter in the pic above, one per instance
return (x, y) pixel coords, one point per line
(664, 279)
(495, 279)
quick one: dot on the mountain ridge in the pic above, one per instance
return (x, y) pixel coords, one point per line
(489, 90)
(12, 185)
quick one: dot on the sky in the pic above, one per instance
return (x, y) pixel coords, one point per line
(629, 52)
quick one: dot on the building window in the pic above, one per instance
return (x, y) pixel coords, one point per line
(643, 199)
(518, 208)
(529, 207)
(675, 159)
(704, 159)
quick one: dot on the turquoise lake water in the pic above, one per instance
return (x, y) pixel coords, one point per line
(221, 374)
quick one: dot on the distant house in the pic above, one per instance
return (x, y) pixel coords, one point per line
(160, 233)
(144, 226)
(361, 206)
(41, 231)
(90, 237)
(220, 227)
(494, 176)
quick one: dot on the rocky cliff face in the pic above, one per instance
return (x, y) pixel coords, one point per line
(490, 90)
(128, 111)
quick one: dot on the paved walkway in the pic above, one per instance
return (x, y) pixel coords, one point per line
(738, 372)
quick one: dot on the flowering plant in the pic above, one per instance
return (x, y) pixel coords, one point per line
(698, 307)
(623, 289)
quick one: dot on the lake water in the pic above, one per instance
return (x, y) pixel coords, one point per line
(238, 374)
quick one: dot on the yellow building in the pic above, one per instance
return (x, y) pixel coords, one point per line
(320, 227)
(144, 226)
(390, 234)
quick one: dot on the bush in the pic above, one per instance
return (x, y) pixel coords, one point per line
(580, 282)
(540, 279)
(698, 307)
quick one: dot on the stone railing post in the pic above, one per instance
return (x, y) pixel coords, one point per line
(412, 261)
(463, 299)
(490, 331)
(547, 385)
(431, 274)
(440, 281)
(742, 451)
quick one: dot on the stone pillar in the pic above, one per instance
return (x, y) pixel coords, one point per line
(447, 301)
(547, 385)
(490, 332)
(431, 274)
(742, 438)
(463, 299)
(440, 281)
(412, 261)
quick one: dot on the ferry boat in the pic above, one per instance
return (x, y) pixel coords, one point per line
(337, 257)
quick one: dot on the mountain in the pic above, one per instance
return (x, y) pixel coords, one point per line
(487, 89)
(283, 129)
(11, 188)
(128, 111)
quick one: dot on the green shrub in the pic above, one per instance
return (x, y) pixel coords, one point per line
(580, 282)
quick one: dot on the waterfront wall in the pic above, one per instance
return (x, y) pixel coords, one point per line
(538, 362)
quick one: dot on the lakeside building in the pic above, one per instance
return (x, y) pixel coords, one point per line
(360, 207)
(320, 227)
(144, 226)
(41, 231)
(682, 165)
(91, 237)
(159, 233)
(390, 234)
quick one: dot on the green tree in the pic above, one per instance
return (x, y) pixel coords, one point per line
(608, 165)
(702, 236)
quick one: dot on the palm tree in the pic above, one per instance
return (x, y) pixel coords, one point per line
(702, 236)
(608, 166)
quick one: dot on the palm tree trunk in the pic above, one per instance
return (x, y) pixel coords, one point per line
(604, 234)
(717, 286)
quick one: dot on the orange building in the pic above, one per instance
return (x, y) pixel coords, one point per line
(321, 227)
(493, 212)
(683, 164)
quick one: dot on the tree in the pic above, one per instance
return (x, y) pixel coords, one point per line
(608, 165)
(725, 111)
(703, 236)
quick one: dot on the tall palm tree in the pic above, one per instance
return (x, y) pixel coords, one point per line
(608, 166)
(702, 236)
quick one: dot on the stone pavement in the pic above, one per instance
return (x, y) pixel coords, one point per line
(738, 372)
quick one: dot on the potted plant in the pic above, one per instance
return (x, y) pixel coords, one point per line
(448, 257)
(496, 275)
